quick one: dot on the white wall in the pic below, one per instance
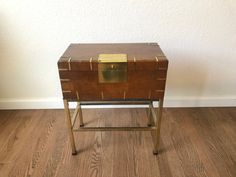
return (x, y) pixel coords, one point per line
(198, 37)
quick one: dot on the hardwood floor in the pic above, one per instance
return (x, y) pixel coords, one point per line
(194, 142)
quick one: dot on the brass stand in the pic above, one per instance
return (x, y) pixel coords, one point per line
(154, 121)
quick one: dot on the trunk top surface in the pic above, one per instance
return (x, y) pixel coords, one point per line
(140, 56)
(141, 51)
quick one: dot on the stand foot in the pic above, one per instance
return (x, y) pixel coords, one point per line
(74, 153)
(155, 152)
(81, 125)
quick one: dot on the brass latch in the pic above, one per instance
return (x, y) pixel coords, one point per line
(112, 68)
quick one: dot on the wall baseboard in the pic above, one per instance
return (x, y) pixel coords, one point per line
(57, 103)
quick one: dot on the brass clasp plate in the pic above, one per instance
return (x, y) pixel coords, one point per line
(112, 68)
(112, 58)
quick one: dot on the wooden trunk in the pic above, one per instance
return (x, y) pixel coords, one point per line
(145, 77)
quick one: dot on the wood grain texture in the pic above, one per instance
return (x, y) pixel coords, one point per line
(194, 142)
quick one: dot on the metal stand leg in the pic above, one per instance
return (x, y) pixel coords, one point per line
(81, 122)
(149, 115)
(158, 126)
(69, 125)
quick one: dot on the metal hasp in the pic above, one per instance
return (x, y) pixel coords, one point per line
(112, 68)
(153, 122)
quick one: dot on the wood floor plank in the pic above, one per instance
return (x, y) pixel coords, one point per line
(221, 148)
(168, 149)
(14, 148)
(196, 142)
